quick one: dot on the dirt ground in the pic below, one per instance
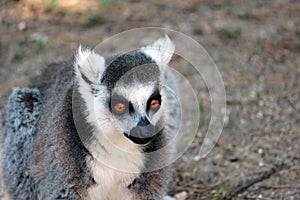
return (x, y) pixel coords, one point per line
(256, 46)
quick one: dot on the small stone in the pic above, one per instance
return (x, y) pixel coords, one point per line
(22, 26)
(259, 115)
(261, 103)
(197, 158)
(226, 119)
(261, 164)
(168, 198)
(243, 121)
(181, 196)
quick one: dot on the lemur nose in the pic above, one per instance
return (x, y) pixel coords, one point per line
(143, 122)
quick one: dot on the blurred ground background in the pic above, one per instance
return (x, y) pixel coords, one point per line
(256, 46)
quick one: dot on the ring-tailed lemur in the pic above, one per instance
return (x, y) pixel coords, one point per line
(122, 110)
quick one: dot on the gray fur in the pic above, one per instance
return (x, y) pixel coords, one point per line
(22, 112)
(44, 158)
(40, 141)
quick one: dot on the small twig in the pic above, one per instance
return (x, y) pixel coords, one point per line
(204, 188)
(240, 101)
(248, 183)
(212, 186)
(296, 167)
(279, 186)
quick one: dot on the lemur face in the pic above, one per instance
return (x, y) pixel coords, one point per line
(127, 90)
(135, 116)
(134, 101)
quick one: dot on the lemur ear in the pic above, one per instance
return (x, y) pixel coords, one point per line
(88, 65)
(160, 51)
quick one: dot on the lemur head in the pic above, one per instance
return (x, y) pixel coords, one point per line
(124, 94)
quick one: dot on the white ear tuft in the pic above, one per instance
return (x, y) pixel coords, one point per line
(160, 51)
(88, 65)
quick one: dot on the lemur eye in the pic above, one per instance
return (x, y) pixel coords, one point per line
(154, 103)
(119, 108)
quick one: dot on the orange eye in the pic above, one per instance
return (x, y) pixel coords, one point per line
(119, 107)
(154, 103)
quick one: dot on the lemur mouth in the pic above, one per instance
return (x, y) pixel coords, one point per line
(138, 140)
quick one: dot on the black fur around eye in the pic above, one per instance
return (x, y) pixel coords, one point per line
(119, 105)
(131, 109)
(155, 98)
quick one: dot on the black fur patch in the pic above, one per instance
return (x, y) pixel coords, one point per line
(131, 109)
(157, 142)
(84, 77)
(155, 95)
(147, 71)
(131, 184)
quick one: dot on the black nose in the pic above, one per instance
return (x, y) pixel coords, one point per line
(142, 133)
(143, 122)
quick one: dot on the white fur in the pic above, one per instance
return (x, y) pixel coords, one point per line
(91, 64)
(160, 51)
(136, 94)
(112, 183)
(120, 163)
(115, 169)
